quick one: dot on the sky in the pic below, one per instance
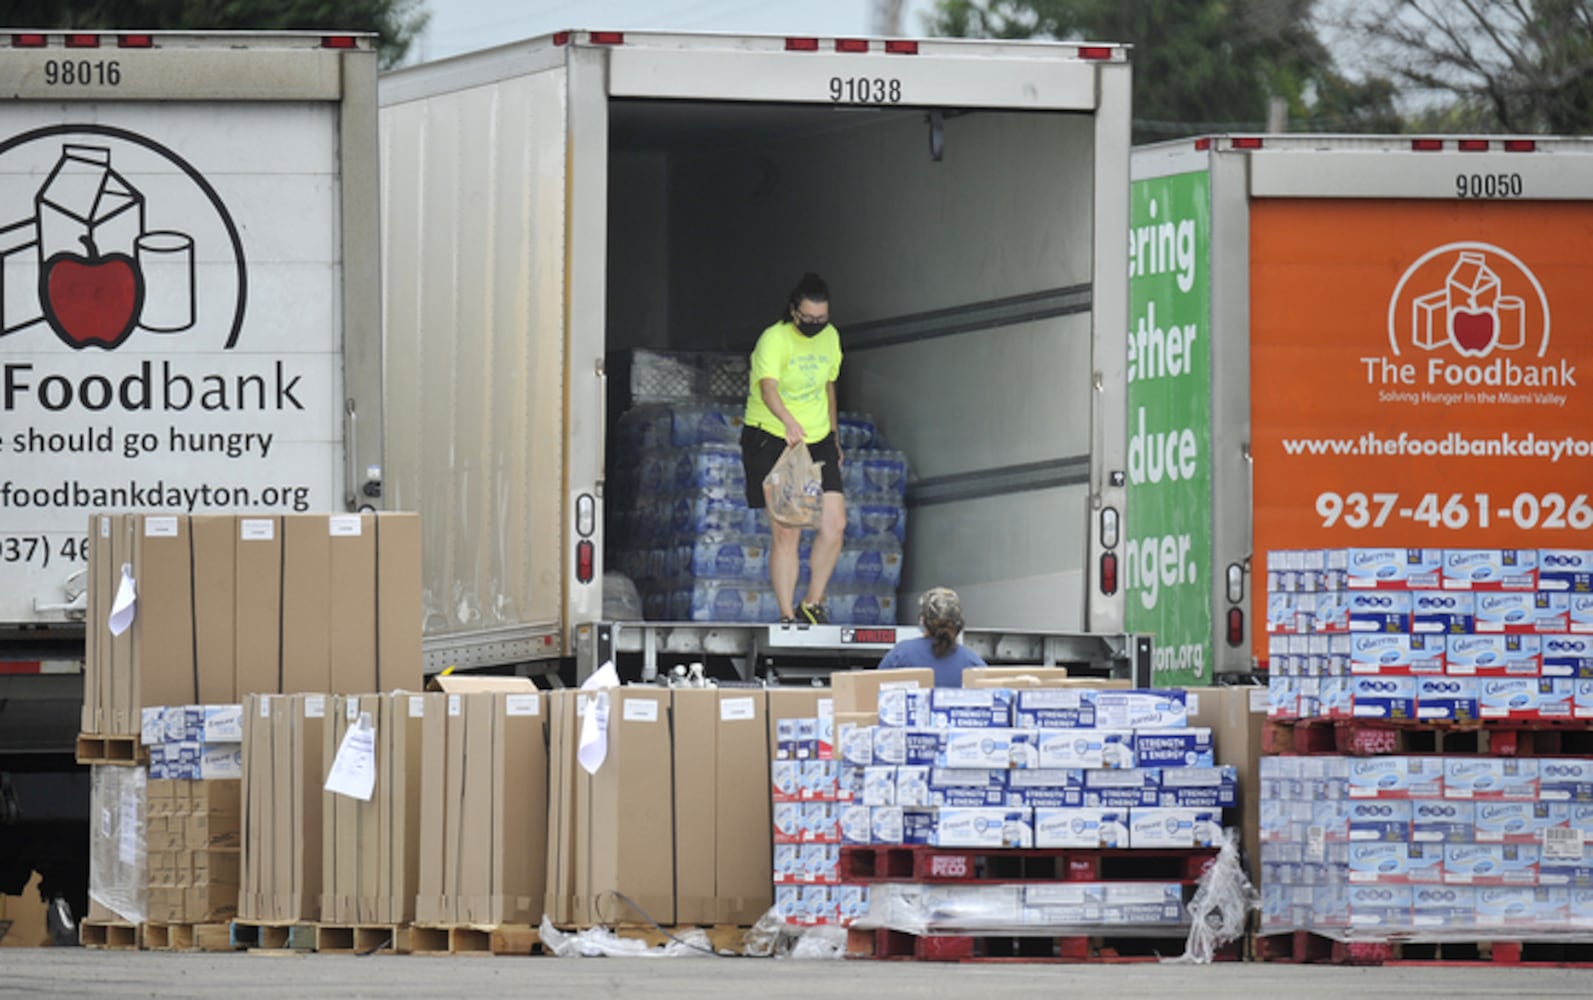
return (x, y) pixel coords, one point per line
(459, 26)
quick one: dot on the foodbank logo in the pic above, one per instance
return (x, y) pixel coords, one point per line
(104, 232)
(1472, 298)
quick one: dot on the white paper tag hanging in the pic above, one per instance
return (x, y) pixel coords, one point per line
(125, 607)
(593, 747)
(354, 768)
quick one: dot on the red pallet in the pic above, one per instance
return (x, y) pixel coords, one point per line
(888, 945)
(962, 865)
(1373, 737)
(1303, 947)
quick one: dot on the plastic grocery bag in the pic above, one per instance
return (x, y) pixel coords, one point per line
(793, 490)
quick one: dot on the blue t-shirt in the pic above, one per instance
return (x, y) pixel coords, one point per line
(920, 652)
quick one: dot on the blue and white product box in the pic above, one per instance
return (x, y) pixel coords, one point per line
(182, 760)
(1556, 697)
(785, 780)
(1582, 699)
(1513, 612)
(813, 904)
(1378, 905)
(1380, 862)
(1443, 612)
(1519, 822)
(1202, 787)
(1551, 612)
(1396, 778)
(788, 903)
(1443, 905)
(886, 823)
(1310, 697)
(152, 726)
(1394, 569)
(988, 748)
(1080, 828)
(1443, 821)
(1521, 906)
(1286, 614)
(826, 733)
(184, 723)
(970, 708)
(1056, 788)
(1334, 698)
(1142, 709)
(1283, 697)
(1494, 655)
(1509, 698)
(904, 708)
(1158, 826)
(1495, 778)
(1380, 611)
(819, 863)
(788, 863)
(1330, 611)
(1491, 864)
(788, 822)
(919, 826)
(1387, 696)
(1127, 789)
(915, 747)
(1566, 779)
(912, 787)
(157, 763)
(849, 784)
(1397, 654)
(1581, 907)
(1581, 614)
(222, 723)
(1331, 816)
(1173, 748)
(815, 781)
(1054, 708)
(785, 740)
(1569, 656)
(1490, 569)
(1447, 698)
(1001, 827)
(855, 744)
(1085, 748)
(220, 761)
(1063, 904)
(851, 902)
(807, 738)
(1381, 820)
(879, 786)
(821, 823)
(1569, 570)
(967, 788)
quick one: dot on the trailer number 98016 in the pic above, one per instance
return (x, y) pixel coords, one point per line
(865, 90)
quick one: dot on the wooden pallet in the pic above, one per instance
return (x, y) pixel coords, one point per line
(957, 865)
(112, 935)
(1370, 737)
(1304, 947)
(475, 939)
(252, 935)
(889, 945)
(97, 749)
(362, 939)
(160, 936)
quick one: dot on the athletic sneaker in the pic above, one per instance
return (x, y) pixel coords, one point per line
(813, 613)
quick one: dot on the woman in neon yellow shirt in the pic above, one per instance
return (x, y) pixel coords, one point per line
(791, 400)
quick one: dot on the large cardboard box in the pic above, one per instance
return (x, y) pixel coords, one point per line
(306, 604)
(630, 827)
(96, 635)
(257, 605)
(399, 616)
(434, 793)
(403, 743)
(298, 730)
(518, 881)
(858, 690)
(214, 610)
(1237, 716)
(164, 670)
(124, 718)
(564, 772)
(24, 920)
(257, 799)
(1014, 677)
(696, 725)
(743, 858)
(352, 622)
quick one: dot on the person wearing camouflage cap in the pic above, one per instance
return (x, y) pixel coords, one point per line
(940, 648)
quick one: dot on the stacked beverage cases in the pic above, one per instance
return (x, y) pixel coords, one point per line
(1449, 635)
(681, 529)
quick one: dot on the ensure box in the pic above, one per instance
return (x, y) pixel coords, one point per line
(970, 708)
(1508, 698)
(1567, 858)
(1002, 827)
(1080, 828)
(912, 787)
(1580, 614)
(855, 744)
(1396, 654)
(886, 824)
(1447, 698)
(1142, 709)
(1380, 611)
(1390, 696)
(1205, 787)
(1394, 569)
(815, 780)
(904, 708)
(184, 723)
(785, 780)
(1378, 905)
(988, 748)
(1566, 779)
(1058, 788)
(807, 738)
(1287, 613)
(1283, 697)
(879, 786)
(789, 818)
(1566, 570)
(1491, 864)
(1519, 822)
(914, 747)
(1054, 708)
(1380, 820)
(1490, 569)
(1173, 748)
(220, 761)
(967, 787)
(1126, 789)
(1085, 748)
(1160, 827)
(1440, 612)
(851, 902)
(1568, 656)
(1494, 655)
(788, 863)
(918, 827)
(788, 903)
(1396, 778)
(1491, 778)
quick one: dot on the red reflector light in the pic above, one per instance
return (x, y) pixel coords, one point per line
(606, 38)
(19, 667)
(1426, 145)
(82, 41)
(1095, 52)
(851, 45)
(1520, 145)
(1108, 573)
(1247, 142)
(1202, 145)
(561, 38)
(585, 561)
(801, 44)
(338, 42)
(135, 42)
(900, 47)
(1473, 145)
(27, 41)
(1236, 627)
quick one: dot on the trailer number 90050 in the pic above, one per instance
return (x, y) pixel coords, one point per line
(865, 90)
(1488, 186)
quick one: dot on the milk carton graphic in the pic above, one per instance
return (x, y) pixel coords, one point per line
(1579, 613)
(1494, 655)
(1380, 611)
(1490, 569)
(1507, 612)
(1569, 656)
(1443, 612)
(1394, 569)
(1396, 654)
(1569, 570)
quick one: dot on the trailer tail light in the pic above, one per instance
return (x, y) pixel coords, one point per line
(801, 44)
(27, 41)
(1426, 145)
(1236, 627)
(1520, 145)
(135, 42)
(585, 560)
(1247, 142)
(1109, 573)
(339, 42)
(1472, 145)
(1201, 145)
(901, 47)
(851, 45)
(1095, 52)
(585, 515)
(1236, 583)
(82, 41)
(606, 38)
(561, 38)
(1110, 523)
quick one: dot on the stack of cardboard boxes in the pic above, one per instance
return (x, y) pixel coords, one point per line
(281, 793)
(192, 835)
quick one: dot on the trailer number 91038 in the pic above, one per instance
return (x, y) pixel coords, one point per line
(865, 90)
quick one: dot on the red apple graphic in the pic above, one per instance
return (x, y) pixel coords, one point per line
(91, 301)
(1472, 332)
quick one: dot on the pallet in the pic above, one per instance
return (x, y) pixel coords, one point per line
(112, 935)
(362, 939)
(159, 936)
(1304, 947)
(475, 939)
(889, 945)
(955, 865)
(124, 750)
(1371, 737)
(254, 935)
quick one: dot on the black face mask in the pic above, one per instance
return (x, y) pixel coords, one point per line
(811, 329)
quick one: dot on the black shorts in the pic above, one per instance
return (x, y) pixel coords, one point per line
(760, 450)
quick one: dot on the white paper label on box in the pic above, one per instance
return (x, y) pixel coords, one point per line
(737, 710)
(522, 704)
(1192, 702)
(899, 686)
(315, 706)
(354, 768)
(125, 607)
(417, 706)
(160, 527)
(1258, 700)
(257, 529)
(128, 847)
(351, 709)
(826, 707)
(1316, 844)
(105, 527)
(1563, 843)
(265, 706)
(454, 705)
(641, 710)
(343, 526)
(580, 705)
